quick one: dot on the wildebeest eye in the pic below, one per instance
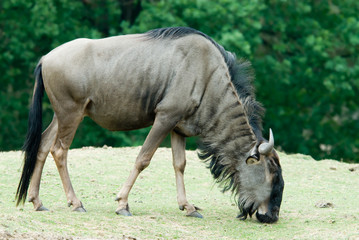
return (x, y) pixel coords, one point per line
(252, 160)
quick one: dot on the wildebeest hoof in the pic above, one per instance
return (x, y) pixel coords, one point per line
(41, 208)
(123, 212)
(195, 214)
(79, 209)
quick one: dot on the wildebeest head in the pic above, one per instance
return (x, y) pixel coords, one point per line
(255, 177)
(261, 183)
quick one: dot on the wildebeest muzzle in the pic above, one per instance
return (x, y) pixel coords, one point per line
(272, 207)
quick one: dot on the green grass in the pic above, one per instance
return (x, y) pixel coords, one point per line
(97, 175)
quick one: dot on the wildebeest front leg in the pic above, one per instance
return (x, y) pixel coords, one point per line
(158, 132)
(178, 144)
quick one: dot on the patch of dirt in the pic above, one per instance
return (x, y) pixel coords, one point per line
(128, 238)
(5, 235)
(354, 169)
(324, 204)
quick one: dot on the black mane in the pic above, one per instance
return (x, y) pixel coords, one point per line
(241, 73)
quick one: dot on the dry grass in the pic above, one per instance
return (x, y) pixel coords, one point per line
(98, 174)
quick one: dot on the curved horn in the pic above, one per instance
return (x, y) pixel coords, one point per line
(266, 148)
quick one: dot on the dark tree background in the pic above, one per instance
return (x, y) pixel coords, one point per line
(305, 54)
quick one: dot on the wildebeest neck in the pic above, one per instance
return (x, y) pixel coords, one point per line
(227, 137)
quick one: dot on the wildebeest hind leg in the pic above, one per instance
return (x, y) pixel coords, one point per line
(66, 130)
(47, 139)
(158, 132)
(178, 144)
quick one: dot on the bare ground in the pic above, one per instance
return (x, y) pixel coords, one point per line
(320, 200)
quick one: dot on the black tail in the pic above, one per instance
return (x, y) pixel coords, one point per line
(33, 137)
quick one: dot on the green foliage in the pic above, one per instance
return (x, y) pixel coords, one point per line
(305, 54)
(313, 61)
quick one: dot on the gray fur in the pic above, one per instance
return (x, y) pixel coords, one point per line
(179, 81)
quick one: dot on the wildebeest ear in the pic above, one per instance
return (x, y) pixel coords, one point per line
(252, 160)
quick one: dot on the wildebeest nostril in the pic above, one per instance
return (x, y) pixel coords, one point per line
(275, 211)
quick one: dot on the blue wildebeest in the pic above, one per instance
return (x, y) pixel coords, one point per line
(179, 81)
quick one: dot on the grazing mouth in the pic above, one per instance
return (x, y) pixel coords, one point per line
(269, 217)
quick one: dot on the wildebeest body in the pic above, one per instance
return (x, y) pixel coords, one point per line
(179, 81)
(123, 90)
